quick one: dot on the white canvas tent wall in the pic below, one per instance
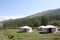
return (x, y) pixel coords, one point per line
(29, 29)
(40, 28)
(49, 28)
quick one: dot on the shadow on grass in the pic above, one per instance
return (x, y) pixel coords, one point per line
(21, 32)
(44, 33)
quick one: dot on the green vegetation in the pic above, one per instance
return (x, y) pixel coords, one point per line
(35, 20)
(44, 20)
(13, 34)
(1, 34)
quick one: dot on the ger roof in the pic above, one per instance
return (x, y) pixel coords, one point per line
(48, 26)
(25, 27)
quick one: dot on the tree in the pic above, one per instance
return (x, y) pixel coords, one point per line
(44, 20)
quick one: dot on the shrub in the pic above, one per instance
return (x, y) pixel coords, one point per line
(10, 36)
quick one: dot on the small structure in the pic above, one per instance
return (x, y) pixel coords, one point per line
(48, 29)
(26, 29)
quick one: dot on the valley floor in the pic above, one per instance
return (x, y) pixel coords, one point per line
(13, 34)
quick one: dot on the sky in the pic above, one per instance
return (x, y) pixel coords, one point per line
(12, 9)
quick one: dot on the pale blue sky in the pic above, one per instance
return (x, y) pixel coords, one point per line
(22, 8)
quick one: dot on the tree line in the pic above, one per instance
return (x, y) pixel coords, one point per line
(32, 22)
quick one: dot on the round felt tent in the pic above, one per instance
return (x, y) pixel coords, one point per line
(49, 29)
(40, 28)
(25, 29)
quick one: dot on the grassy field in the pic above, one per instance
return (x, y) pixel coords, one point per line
(13, 34)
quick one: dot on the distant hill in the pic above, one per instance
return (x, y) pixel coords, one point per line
(53, 14)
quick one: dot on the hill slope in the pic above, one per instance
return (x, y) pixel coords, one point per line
(34, 19)
(48, 12)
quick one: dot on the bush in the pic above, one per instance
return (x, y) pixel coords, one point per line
(57, 23)
(10, 36)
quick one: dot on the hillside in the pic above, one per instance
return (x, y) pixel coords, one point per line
(34, 20)
(48, 12)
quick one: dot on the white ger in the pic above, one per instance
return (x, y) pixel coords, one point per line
(25, 29)
(48, 29)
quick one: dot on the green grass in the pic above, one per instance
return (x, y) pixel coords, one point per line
(1, 33)
(35, 35)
